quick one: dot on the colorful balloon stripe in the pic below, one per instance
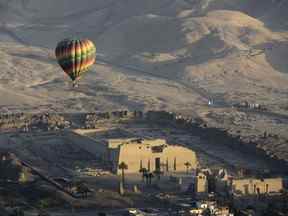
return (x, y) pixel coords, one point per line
(75, 56)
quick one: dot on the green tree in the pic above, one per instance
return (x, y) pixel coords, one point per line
(146, 177)
(150, 176)
(43, 203)
(123, 166)
(143, 171)
(187, 164)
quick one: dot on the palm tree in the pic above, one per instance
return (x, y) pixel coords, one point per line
(150, 176)
(187, 164)
(143, 171)
(123, 166)
(146, 177)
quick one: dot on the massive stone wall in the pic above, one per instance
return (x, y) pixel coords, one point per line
(171, 158)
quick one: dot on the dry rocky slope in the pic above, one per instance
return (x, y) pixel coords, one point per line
(176, 55)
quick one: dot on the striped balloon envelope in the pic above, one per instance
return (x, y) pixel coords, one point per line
(75, 56)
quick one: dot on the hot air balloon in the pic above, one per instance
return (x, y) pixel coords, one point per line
(75, 57)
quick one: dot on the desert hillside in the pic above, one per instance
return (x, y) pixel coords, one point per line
(153, 54)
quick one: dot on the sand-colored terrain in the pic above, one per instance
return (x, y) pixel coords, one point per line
(153, 54)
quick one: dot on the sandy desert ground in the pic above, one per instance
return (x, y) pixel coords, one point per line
(153, 54)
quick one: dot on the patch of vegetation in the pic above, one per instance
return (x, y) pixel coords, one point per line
(50, 202)
(40, 197)
(79, 164)
(44, 203)
(150, 55)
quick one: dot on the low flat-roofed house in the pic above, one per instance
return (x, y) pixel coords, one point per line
(252, 186)
(152, 154)
(223, 211)
(201, 183)
(196, 211)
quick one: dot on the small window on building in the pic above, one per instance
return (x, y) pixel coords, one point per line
(267, 188)
(139, 147)
(157, 149)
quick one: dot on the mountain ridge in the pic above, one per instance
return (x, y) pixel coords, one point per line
(156, 54)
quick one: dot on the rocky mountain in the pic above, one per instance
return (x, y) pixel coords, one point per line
(152, 54)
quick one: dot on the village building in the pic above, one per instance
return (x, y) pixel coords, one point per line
(252, 186)
(152, 154)
(223, 211)
(137, 153)
(201, 184)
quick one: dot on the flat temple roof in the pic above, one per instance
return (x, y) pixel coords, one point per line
(115, 143)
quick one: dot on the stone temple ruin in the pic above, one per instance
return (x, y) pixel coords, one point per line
(137, 153)
(150, 154)
(96, 143)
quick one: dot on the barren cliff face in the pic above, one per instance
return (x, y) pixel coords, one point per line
(231, 50)
(152, 54)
